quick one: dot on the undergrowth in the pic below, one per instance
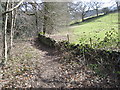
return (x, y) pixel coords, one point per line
(103, 62)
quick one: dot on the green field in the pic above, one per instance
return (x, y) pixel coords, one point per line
(95, 28)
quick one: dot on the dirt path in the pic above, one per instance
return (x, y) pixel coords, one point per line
(37, 66)
(49, 68)
(45, 70)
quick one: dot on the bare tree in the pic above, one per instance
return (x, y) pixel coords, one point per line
(95, 5)
(80, 9)
(6, 16)
(11, 9)
(83, 7)
(118, 4)
(50, 14)
(5, 47)
(12, 28)
(35, 9)
(106, 10)
(56, 15)
(45, 17)
(75, 15)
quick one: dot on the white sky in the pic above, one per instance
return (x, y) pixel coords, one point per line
(107, 3)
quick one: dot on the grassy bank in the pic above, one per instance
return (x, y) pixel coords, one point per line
(95, 31)
(95, 28)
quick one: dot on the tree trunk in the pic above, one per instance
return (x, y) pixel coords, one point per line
(11, 32)
(15, 18)
(26, 7)
(82, 18)
(117, 6)
(97, 12)
(5, 35)
(36, 16)
(45, 18)
(44, 25)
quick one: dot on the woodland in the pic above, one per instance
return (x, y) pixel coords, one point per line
(59, 45)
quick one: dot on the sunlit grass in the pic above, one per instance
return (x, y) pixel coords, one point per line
(95, 28)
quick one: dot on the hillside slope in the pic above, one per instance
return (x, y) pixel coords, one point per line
(96, 29)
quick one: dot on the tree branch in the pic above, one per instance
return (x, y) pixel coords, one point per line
(13, 7)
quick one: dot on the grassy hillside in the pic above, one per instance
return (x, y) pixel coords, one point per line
(95, 28)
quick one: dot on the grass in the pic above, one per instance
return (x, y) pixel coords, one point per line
(94, 29)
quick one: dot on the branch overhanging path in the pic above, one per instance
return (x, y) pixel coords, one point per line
(14, 7)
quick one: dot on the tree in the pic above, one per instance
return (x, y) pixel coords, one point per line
(6, 16)
(55, 15)
(11, 9)
(118, 4)
(45, 17)
(79, 9)
(50, 14)
(5, 22)
(106, 10)
(35, 9)
(95, 5)
(12, 28)
(83, 7)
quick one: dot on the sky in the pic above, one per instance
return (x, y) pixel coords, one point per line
(107, 3)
